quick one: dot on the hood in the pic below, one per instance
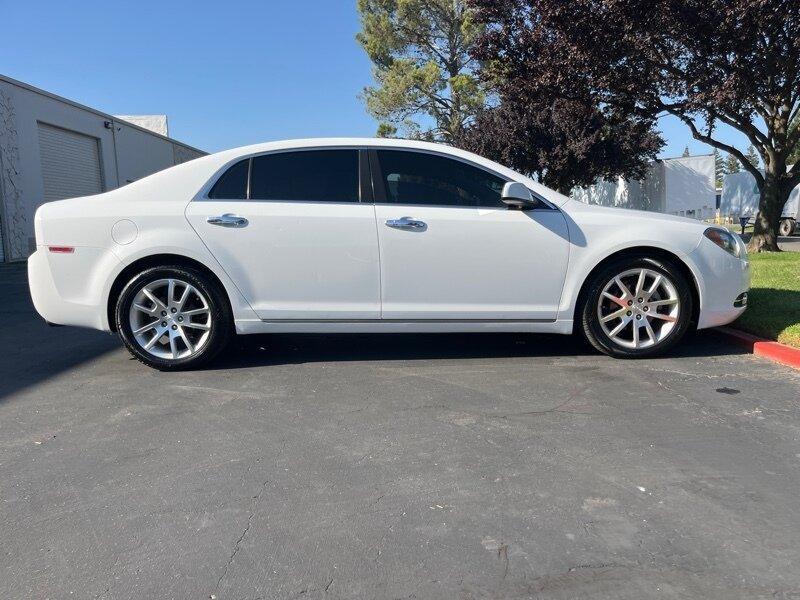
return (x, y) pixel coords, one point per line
(581, 211)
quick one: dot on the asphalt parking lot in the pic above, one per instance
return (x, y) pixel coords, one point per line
(451, 466)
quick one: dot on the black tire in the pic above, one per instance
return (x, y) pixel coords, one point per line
(590, 319)
(219, 318)
(786, 227)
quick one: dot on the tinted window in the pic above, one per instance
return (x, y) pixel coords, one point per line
(419, 178)
(233, 184)
(313, 175)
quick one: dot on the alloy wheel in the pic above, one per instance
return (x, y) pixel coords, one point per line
(639, 308)
(170, 319)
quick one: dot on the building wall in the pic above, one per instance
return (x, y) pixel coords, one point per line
(690, 186)
(679, 186)
(140, 153)
(127, 153)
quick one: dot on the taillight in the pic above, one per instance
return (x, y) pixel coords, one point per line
(61, 249)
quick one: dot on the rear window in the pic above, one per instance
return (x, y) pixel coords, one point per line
(233, 184)
(309, 175)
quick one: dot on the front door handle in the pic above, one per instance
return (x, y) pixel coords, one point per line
(228, 220)
(406, 223)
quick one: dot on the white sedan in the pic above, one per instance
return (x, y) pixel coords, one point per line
(363, 235)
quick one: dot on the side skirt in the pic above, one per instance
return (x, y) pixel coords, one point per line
(245, 327)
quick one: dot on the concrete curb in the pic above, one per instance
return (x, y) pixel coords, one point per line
(774, 351)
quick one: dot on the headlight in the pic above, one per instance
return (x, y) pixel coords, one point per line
(725, 240)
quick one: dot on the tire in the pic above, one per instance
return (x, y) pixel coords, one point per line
(662, 319)
(184, 332)
(786, 227)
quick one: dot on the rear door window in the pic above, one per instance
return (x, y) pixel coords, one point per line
(306, 176)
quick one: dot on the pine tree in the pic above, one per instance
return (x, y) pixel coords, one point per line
(425, 81)
(752, 156)
(719, 168)
(686, 152)
(732, 164)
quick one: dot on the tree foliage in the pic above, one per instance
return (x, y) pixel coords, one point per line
(565, 143)
(426, 85)
(706, 62)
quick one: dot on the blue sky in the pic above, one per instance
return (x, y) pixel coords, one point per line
(226, 73)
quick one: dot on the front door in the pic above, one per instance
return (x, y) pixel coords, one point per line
(451, 250)
(290, 231)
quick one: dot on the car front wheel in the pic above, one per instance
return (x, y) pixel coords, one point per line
(637, 307)
(173, 318)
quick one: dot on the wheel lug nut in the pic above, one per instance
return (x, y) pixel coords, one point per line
(174, 310)
(646, 308)
(163, 313)
(180, 319)
(163, 323)
(640, 300)
(630, 302)
(638, 317)
(174, 328)
(628, 313)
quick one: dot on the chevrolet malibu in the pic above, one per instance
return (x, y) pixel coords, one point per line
(354, 235)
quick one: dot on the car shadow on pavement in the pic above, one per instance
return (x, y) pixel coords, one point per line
(281, 349)
(31, 350)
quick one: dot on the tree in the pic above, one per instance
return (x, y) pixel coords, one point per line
(732, 164)
(686, 152)
(719, 169)
(564, 143)
(425, 81)
(706, 62)
(752, 157)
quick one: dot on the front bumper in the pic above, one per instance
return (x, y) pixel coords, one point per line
(723, 279)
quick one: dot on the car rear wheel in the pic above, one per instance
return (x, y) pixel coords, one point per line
(786, 227)
(173, 318)
(637, 307)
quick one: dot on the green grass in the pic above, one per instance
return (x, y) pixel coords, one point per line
(773, 307)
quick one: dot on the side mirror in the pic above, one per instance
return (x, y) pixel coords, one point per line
(516, 195)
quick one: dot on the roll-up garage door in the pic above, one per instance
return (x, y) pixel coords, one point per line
(70, 163)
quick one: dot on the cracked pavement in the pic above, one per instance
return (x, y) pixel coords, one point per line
(403, 466)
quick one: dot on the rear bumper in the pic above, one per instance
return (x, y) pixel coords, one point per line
(66, 290)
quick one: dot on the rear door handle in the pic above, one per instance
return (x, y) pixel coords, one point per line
(228, 220)
(406, 223)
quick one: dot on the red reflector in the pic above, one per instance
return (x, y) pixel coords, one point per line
(61, 249)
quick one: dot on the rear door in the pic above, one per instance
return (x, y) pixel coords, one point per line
(451, 250)
(291, 231)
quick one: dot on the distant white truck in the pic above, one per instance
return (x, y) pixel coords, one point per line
(740, 198)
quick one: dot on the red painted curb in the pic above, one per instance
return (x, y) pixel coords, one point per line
(774, 351)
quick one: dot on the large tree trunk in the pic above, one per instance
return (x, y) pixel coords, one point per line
(770, 206)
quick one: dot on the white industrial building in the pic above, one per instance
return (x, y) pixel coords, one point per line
(52, 148)
(678, 186)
